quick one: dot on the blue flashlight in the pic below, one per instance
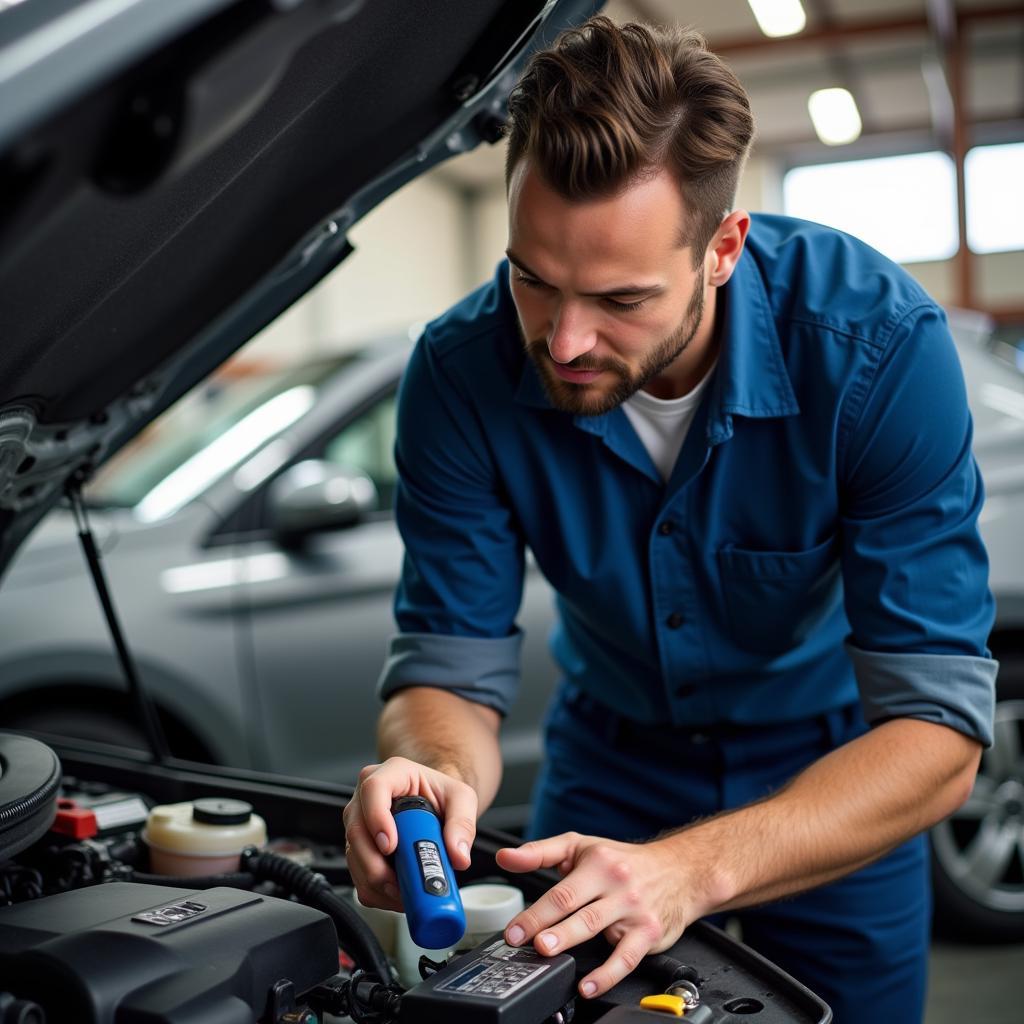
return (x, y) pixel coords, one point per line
(430, 895)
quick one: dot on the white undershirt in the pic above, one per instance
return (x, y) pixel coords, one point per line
(662, 423)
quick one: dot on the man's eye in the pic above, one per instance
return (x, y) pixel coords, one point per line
(530, 282)
(625, 307)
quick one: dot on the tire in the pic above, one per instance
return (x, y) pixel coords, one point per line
(978, 852)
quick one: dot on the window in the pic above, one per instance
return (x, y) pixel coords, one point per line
(994, 176)
(367, 444)
(903, 206)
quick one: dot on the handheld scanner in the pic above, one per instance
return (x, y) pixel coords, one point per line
(430, 895)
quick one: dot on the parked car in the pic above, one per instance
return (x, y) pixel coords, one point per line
(258, 635)
(978, 853)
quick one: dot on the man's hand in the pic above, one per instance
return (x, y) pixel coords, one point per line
(634, 894)
(370, 832)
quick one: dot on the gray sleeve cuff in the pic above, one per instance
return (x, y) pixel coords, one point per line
(480, 669)
(950, 689)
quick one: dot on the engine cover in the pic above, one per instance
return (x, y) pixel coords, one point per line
(148, 953)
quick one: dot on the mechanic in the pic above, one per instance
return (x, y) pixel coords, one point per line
(739, 450)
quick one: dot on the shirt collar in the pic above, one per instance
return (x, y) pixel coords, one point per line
(751, 379)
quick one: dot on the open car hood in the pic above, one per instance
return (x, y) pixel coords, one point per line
(175, 175)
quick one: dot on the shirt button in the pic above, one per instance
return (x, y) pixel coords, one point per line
(674, 621)
(666, 527)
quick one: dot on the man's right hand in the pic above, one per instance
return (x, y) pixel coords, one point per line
(371, 835)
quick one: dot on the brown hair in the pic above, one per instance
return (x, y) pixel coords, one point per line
(606, 105)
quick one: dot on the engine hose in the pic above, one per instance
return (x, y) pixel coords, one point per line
(667, 970)
(238, 880)
(355, 935)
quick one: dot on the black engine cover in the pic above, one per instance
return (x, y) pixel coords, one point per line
(146, 953)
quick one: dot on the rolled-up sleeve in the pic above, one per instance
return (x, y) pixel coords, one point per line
(915, 572)
(462, 574)
(426, 659)
(949, 689)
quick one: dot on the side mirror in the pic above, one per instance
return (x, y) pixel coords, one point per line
(314, 496)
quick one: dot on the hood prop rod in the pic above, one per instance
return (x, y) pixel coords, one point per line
(144, 710)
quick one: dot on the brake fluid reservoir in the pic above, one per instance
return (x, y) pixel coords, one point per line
(204, 837)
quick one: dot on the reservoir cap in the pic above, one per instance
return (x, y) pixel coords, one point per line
(221, 811)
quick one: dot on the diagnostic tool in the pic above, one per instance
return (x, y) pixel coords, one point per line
(493, 984)
(430, 895)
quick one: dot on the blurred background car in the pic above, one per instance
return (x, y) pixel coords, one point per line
(248, 538)
(249, 541)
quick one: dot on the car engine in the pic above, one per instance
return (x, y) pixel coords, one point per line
(97, 928)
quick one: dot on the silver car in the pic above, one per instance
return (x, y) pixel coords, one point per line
(249, 543)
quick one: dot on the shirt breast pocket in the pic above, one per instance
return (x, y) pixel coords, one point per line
(774, 599)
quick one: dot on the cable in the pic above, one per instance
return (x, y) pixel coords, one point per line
(354, 934)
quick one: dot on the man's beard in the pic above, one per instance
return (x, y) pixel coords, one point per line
(581, 399)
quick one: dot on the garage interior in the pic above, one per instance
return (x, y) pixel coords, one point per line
(925, 163)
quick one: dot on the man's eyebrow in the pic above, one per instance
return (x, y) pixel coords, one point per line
(626, 289)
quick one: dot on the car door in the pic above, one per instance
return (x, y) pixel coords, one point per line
(318, 629)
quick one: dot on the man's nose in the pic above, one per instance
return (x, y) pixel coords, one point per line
(571, 335)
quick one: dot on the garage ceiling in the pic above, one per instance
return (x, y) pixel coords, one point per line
(888, 53)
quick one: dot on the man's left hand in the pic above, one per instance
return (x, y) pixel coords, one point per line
(635, 894)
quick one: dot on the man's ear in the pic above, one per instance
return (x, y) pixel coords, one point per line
(726, 246)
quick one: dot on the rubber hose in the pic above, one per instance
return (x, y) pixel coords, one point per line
(355, 935)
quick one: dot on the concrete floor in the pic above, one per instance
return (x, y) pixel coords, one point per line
(976, 985)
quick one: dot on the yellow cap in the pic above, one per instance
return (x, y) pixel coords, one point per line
(664, 1003)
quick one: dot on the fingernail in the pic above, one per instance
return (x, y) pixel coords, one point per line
(382, 841)
(588, 988)
(548, 940)
(515, 935)
(464, 848)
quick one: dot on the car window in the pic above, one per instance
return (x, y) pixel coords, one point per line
(207, 433)
(367, 443)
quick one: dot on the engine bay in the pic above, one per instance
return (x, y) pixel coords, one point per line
(96, 928)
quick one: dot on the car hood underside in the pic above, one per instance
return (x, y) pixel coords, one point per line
(178, 174)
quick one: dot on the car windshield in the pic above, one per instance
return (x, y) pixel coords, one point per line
(206, 434)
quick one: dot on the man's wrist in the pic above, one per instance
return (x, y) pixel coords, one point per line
(706, 882)
(457, 769)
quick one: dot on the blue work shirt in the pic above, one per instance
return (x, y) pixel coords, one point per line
(817, 539)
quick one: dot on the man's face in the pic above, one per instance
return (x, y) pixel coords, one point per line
(608, 301)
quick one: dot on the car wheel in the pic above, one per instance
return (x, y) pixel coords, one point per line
(978, 852)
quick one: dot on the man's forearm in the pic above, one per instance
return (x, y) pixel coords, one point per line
(841, 813)
(441, 730)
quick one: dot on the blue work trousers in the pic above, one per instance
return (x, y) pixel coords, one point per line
(860, 943)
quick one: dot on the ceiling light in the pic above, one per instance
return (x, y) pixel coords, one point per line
(835, 116)
(779, 17)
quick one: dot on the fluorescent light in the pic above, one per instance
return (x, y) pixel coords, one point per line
(236, 444)
(779, 17)
(835, 116)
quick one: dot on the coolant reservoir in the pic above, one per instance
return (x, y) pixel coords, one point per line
(204, 837)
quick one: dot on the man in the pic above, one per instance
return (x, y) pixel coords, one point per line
(743, 462)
